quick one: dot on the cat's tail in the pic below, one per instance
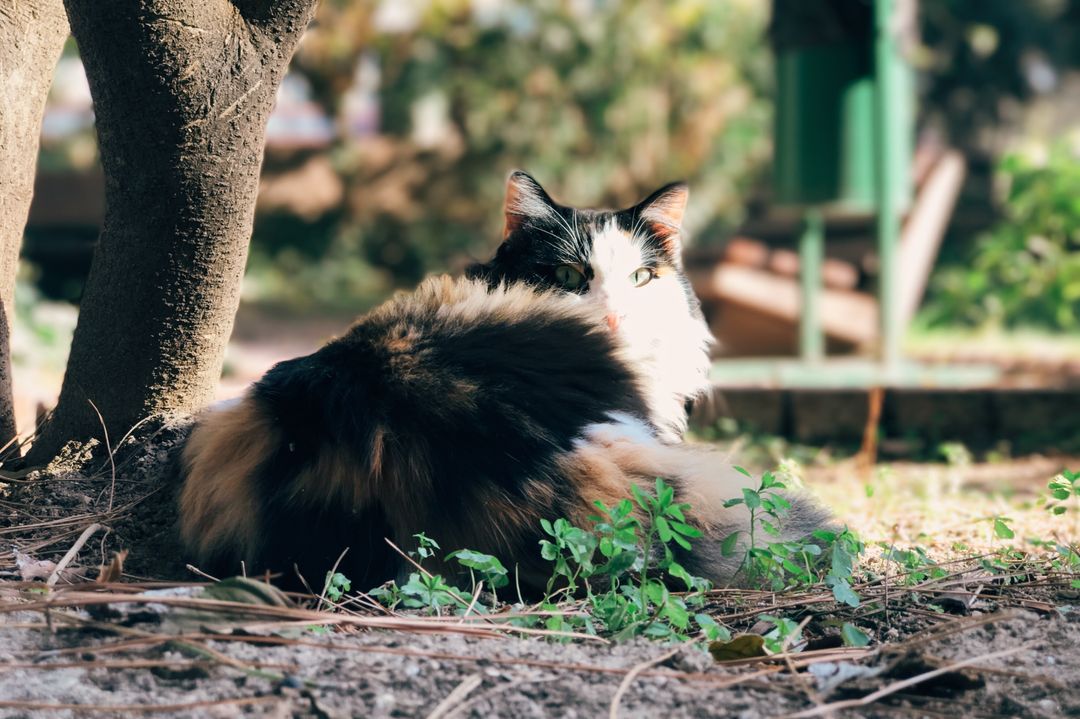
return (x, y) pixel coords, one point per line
(703, 478)
(442, 411)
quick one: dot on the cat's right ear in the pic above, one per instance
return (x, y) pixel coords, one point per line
(525, 199)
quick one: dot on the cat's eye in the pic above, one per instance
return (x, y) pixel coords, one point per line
(642, 276)
(569, 277)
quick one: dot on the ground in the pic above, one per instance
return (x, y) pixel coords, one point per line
(982, 633)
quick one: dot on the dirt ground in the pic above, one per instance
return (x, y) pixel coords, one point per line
(394, 674)
(971, 644)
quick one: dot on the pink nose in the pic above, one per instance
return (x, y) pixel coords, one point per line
(613, 321)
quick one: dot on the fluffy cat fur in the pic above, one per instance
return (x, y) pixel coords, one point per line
(469, 410)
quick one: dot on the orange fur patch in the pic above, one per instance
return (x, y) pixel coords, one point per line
(218, 505)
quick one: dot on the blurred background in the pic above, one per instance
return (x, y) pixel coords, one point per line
(400, 119)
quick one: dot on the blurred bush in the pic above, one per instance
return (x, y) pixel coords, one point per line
(1025, 271)
(981, 57)
(602, 100)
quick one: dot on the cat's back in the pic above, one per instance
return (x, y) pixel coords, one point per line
(434, 403)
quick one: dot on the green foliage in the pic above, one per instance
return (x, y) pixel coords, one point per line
(618, 573)
(490, 569)
(792, 563)
(336, 586)
(853, 636)
(1063, 488)
(621, 563)
(614, 579)
(915, 564)
(602, 101)
(425, 547)
(785, 632)
(1064, 491)
(1002, 530)
(1026, 270)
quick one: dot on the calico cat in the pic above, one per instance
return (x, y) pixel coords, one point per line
(626, 263)
(473, 408)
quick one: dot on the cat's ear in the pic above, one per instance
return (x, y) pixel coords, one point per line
(525, 199)
(663, 212)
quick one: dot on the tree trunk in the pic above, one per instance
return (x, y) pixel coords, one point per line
(32, 33)
(182, 93)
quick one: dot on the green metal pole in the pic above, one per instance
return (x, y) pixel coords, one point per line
(890, 126)
(811, 257)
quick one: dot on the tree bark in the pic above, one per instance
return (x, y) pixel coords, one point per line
(182, 93)
(32, 33)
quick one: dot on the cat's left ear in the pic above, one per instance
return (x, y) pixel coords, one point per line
(525, 200)
(663, 212)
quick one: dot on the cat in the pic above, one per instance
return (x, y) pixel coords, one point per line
(473, 408)
(627, 263)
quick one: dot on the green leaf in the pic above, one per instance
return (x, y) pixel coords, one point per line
(842, 560)
(727, 547)
(842, 591)
(742, 471)
(664, 493)
(687, 530)
(1001, 528)
(752, 498)
(619, 564)
(713, 632)
(548, 550)
(663, 529)
(676, 570)
(853, 636)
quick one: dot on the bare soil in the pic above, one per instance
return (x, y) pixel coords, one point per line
(976, 644)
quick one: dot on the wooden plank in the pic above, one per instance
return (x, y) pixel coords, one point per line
(846, 315)
(924, 230)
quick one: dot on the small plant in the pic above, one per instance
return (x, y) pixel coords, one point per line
(785, 564)
(853, 636)
(336, 586)
(620, 565)
(615, 578)
(425, 547)
(1002, 530)
(915, 564)
(1065, 489)
(785, 633)
(1064, 496)
(491, 570)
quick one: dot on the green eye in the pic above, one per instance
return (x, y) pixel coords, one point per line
(569, 277)
(642, 276)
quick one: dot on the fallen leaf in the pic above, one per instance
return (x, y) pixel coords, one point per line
(114, 570)
(30, 568)
(247, 591)
(742, 646)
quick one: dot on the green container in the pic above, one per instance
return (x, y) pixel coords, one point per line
(825, 127)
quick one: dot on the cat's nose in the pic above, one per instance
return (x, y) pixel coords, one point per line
(613, 321)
